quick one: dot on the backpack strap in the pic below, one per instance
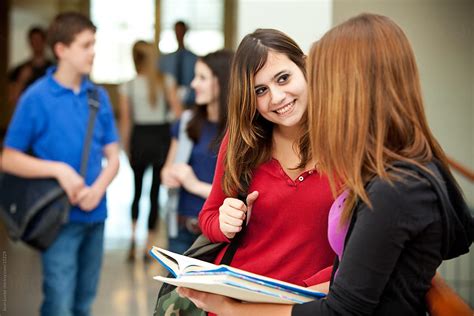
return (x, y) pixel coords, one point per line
(93, 101)
(234, 244)
(185, 145)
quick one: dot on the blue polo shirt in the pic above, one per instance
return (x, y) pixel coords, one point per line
(203, 161)
(50, 121)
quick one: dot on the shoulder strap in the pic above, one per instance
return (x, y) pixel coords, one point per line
(234, 244)
(185, 144)
(93, 100)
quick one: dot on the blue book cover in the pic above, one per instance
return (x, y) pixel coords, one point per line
(229, 281)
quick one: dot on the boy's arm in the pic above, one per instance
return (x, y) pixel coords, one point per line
(111, 153)
(23, 165)
(89, 197)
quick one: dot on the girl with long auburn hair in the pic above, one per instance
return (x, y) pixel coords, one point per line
(399, 212)
(265, 159)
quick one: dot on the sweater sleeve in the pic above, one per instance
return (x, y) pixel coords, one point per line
(379, 236)
(209, 215)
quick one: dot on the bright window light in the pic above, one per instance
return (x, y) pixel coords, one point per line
(119, 24)
(205, 19)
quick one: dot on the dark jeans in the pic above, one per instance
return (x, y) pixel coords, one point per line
(182, 242)
(71, 269)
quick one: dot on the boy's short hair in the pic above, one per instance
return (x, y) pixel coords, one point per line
(66, 26)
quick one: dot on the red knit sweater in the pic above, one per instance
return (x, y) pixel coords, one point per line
(286, 237)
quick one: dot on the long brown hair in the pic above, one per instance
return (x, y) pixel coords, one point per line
(365, 105)
(219, 63)
(250, 135)
(144, 58)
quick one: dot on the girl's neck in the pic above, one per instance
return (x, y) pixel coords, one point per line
(286, 150)
(213, 112)
(286, 133)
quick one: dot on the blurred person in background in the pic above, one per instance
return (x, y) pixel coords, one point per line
(145, 133)
(23, 75)
(178, 69)
(205, 129)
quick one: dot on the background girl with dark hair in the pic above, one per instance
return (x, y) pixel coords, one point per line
(204, 129)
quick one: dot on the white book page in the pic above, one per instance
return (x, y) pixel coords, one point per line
(180, 264)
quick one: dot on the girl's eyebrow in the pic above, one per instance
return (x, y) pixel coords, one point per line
(274, 77)
(279, 74)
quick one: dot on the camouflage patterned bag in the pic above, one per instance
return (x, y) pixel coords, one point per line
(171, 304)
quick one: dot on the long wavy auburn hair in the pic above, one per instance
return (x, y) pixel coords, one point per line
(365, 105)
(250, 135)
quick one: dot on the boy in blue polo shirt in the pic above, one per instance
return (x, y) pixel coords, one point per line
(51, 122)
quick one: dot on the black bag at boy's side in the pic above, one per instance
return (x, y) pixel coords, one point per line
(34, 210)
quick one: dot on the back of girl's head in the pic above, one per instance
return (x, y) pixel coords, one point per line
(249, 132)
(142, 54)
(144, 58)
(366, 109)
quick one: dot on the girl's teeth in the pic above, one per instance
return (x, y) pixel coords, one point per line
(285, 109)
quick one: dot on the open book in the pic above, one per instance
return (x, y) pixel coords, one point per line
(232, 282)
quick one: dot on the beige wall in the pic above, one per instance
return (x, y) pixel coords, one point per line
(303, 20)
(442, 35)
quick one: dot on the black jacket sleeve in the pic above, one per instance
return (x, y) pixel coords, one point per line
(378, 237)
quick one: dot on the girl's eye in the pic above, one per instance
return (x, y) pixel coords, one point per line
(283, 78)
(260, 91)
